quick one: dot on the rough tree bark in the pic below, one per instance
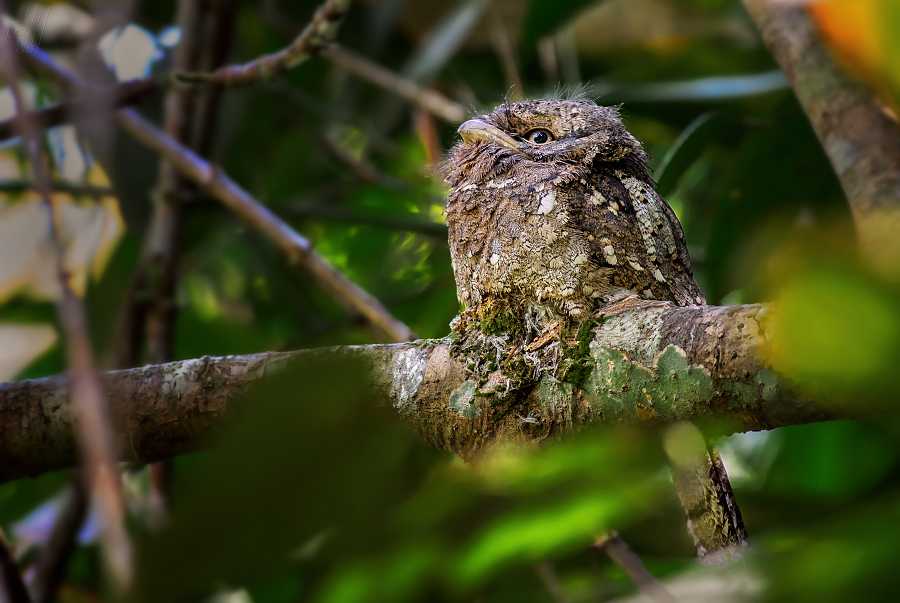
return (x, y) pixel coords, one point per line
(650, 365)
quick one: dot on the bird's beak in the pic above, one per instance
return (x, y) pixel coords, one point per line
(476, 130)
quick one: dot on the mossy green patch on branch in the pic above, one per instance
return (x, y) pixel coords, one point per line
(577, 362)
(496, 318)
(625, 391)
(462, 400)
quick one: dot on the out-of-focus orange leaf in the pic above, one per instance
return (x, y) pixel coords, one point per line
(862, 33)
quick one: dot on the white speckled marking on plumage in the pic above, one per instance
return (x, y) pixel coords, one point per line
(645, 219)
(546, 203)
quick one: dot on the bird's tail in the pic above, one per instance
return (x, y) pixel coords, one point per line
(713, 517)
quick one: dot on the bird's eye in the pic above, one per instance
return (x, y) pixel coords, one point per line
(539, 137)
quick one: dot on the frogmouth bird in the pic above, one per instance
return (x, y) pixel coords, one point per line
(552, 210)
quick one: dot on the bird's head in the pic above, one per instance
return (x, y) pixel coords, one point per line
(576, 133)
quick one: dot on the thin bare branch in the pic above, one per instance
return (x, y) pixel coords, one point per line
(57, 186)
(161, 245)
(75, 110)
(12, 589)
(50, 569)
(622, 555)
(297, 248)
(217, 26)
(364, 170)
(431, 100)
(217, 184)
(547, 573)
(95, 435)
(159, 262)
(320, 32)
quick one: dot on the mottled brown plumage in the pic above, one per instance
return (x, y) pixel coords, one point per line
(567, 225)
(552, 209)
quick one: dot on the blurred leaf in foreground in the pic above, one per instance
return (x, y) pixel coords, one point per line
(312, 480)
(863, 34)
(306, 465)
(849, 557)
(835, 326)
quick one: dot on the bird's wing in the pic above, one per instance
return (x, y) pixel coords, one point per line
(634, 231)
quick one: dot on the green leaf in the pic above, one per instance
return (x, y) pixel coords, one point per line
(689, 147)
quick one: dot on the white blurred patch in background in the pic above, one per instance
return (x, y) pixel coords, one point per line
(35, 528)
(129, 51)
(69, 157)
(20, 344)
(8, 110)
(90, 227)
(169, 37)
(748, 456)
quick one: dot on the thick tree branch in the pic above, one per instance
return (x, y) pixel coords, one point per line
(650, 366)
(317, 35)
(861, 140)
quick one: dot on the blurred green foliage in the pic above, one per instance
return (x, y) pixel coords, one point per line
(313, 495)
(313, 481)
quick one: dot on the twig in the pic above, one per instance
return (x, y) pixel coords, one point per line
(12, 589)
(364, 170)
(217, 184)
(57, 186)
(132, 323)
(426, 129)
(50, 568)
(622, 555)
(320, 32)
(431, 100)
(72, 111)
(547, 573)
(95, 435)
